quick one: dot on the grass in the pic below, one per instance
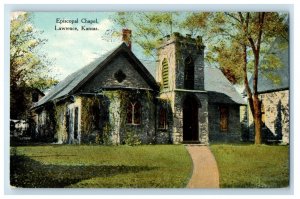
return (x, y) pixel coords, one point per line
(145, 166)
(252, 166)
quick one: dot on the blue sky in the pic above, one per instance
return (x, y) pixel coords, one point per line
(72, 50)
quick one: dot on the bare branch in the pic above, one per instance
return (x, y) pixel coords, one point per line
(241, 17)
(232, 16)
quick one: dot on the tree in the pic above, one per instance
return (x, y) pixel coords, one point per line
(150, 27)
(256, 29)
(249, 35)
(29, 68)
(235, 41)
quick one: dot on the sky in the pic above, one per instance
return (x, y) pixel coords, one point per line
(5, 191)
(71, 50)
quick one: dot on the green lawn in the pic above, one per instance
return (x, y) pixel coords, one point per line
(144, 166)
(256, 166)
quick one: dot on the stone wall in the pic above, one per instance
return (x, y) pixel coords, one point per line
(146, 129)
(108, 76)
(167, 52)
(46, 124)
(233, 134)
(164, 135)
(202, 116)
(61, 133)
(197, 53)
(276, 125)
(175, 49)
(115, 129)
(244, 123)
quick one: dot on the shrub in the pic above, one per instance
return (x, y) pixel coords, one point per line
(106, 136)
(132, 139)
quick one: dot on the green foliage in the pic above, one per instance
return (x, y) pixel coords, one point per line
(106, 139)
(132, 139)
(88, 114)
(29, 68)
(240, 40)
(252, 166)
(94, 166)
(60, 130)
(149, 27)
(195, 22)
(229, 58)
(221, 31)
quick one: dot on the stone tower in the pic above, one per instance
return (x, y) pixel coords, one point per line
(180, 72)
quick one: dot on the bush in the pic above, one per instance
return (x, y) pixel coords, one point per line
(106, 136)
(132, 139)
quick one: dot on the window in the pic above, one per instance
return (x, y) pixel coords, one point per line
(165, 73)
(189, 73)
(120, 76)
(134, 112)
(68, 120)
(224, 118)
(35, 97)
(263, 114)
(43, 118)
(162, 123)
(76, 123)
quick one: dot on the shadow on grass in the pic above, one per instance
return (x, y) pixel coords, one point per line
(28, 173)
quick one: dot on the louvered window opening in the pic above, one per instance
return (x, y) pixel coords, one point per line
(165, 73)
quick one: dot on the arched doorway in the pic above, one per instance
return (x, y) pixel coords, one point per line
(190, 119)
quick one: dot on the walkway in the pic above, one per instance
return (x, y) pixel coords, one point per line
(205, 171)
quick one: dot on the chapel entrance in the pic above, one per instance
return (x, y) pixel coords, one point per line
(190, 119)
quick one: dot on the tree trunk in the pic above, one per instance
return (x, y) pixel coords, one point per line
(257, 120)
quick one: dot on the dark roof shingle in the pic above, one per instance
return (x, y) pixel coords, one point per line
(71, 82)
(220, 90)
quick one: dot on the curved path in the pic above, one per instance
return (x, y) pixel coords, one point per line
(205, 170)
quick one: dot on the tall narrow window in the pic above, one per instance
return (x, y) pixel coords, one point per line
(189, 73)
(43, 118)
(35, 97)
(76, 123)
(165, 73)
(263, 114)
(134, 112)
(224, 118)
(68, 120)
(162, 124)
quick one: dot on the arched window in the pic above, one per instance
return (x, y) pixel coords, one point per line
(134, 112)
(162, 123)
(165, 73)
(189, 73)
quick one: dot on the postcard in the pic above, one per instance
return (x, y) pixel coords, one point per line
(149, 100)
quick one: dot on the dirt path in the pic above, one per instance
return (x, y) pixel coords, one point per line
(205, 171)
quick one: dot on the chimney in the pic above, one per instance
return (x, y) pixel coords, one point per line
(126, 37)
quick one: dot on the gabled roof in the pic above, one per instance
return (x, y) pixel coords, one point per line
(220, 90)
(73, 82)
(266, 84)
(36, 90)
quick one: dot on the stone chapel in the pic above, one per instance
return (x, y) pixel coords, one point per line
(115, 98)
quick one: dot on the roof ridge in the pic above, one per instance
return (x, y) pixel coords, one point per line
(72, 77)
(74, 81)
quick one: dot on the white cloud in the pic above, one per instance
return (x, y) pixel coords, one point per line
(74, 49)
(14, 15)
